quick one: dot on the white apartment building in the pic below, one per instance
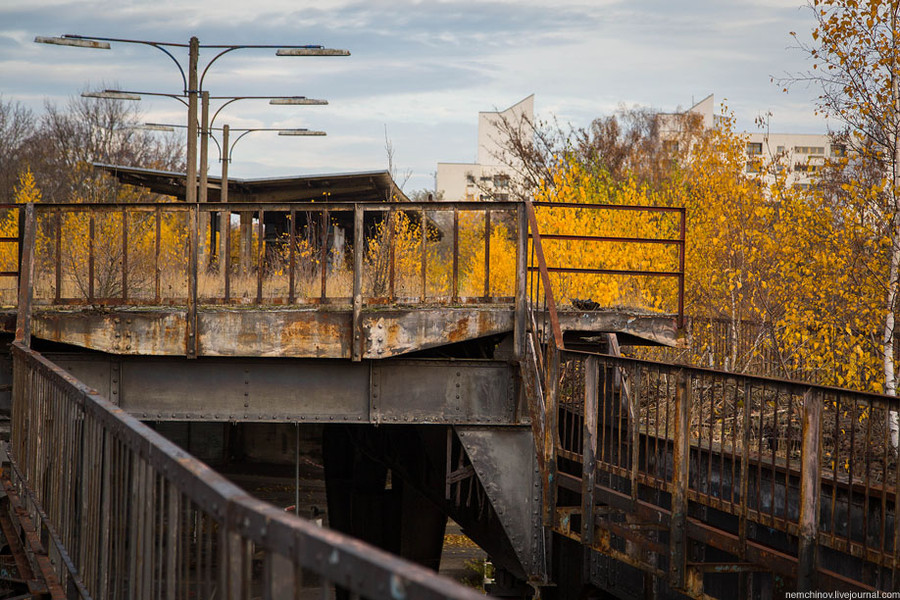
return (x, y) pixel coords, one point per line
(800, 155)
(489, 177)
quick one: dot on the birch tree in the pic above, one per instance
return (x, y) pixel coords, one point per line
(855, 53)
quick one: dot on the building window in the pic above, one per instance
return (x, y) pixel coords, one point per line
(501, 181)
(780, 150)
(670, 146)
(838, 150)
(470, 179)
(754, 148)
(820, 150)
(752, 166)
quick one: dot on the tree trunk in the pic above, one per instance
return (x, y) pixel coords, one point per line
(890, 386)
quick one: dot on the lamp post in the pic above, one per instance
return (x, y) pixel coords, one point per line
(206, 123)
(246, 218)
(225, 151)
(227, 145)
(192, 83)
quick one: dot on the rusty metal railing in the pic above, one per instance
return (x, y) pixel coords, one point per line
(312, 254)
(279, 253)
(660, 444)
(540, 363)
(135, 517)
(149, 254)
(813, 463)
(631, 258)
(545, 337)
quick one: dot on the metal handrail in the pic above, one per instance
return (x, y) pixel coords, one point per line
(545, 277)
(791, 456)
(141, 518)
(679, 242)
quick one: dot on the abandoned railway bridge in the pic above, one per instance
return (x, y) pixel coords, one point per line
(438, 385)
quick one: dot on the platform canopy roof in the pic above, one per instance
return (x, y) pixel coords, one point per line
(366, 186)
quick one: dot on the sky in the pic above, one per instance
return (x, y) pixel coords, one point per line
(419, 70)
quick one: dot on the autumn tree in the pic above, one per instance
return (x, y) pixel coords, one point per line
(67, 141)
(791, 273)
(637, 143)
(856, 63)
(17, 125)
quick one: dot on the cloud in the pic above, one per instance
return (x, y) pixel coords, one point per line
(422, 68)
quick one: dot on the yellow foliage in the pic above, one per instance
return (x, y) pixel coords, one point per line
(27, 190)
(572, 183)
(93, 244)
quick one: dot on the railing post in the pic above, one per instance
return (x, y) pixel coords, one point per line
(682, 250)
(809, 493)
(92, 237)
(487, 255)
(124, 254)
(424, 250)
(260, 254)
(323, 257)
(521, 282)
(551, 420)
(292, 263)
(173, 534)
(193, 262)
(246, 241)
(634, 428)
(744, 515)
(392, 255)
(106, 500)
(356, 341)
(454, 279)
(157, 248)
(26, 274)
(681, 465)
(58, 257)
(589, 459)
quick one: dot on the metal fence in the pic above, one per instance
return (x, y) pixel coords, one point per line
(273, 253)
(136, 517)
(626, 255)
(315, 253)
(813, 462)
(623, 441)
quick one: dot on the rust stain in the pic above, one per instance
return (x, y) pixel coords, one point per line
(312, 336)
(297, 333)
(460, 331)
(396, 339)
(485, 323)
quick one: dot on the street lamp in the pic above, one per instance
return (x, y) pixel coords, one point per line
(111, 95)
(227, 146)
(310, 51)
(193, 86)
(246, 218)
(225, 151)
(207, 122)
(70, 41)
